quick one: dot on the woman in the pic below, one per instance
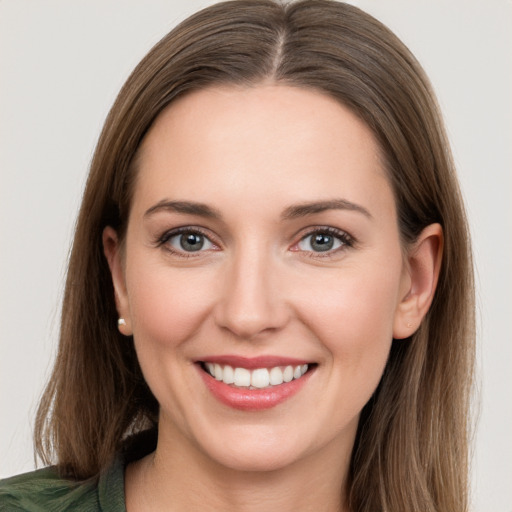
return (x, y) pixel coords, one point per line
(271, 226)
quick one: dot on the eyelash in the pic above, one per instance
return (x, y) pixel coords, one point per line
(346, 240)
(165, 237)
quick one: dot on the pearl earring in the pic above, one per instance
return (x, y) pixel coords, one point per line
(121, 322)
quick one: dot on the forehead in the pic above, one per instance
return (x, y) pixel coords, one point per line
(290, 142)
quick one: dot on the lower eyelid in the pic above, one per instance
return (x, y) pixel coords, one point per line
(345, 240)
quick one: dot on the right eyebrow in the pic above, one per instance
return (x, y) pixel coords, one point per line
(185, 207)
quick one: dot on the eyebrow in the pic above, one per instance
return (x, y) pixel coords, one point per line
(292, 212)
(185, 207)
(304, 209)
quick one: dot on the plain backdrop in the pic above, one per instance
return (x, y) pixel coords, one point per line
(61, 65)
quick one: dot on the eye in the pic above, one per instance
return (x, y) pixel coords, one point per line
(324, 241)
(187, 240)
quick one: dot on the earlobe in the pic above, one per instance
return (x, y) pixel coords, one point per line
(112, 251)
(424, 265)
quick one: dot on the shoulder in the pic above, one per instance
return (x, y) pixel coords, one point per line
(45, 490)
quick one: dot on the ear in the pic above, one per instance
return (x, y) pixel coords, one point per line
(112, 251)
(422, 268)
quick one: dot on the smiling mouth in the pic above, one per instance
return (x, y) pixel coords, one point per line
(258, 378)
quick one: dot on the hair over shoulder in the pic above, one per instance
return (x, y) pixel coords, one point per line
(411, 450)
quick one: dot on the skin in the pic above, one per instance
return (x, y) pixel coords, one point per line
(260, 288)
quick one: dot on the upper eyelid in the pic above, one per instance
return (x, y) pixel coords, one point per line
(346, 239)
(297, 237)
(168, 234)
(319, 229)
(161, 242)
(315, 229)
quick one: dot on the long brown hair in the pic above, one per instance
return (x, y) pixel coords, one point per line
(411, 451)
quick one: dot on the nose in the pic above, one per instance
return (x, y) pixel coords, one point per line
(252, 302)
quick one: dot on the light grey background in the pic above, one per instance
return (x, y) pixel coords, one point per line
(61, 65)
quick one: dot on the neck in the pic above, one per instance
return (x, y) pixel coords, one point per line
(171, 479)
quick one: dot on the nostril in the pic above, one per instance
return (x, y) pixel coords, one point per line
(251, 321)
(250, 303)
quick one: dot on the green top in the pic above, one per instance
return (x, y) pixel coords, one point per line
(44, 491)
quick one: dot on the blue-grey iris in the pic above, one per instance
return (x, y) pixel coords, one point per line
(191, 242)
(322, 242)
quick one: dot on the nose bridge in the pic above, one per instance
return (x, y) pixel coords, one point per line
(251, 303)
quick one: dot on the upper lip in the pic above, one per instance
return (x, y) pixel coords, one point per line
(251, 363)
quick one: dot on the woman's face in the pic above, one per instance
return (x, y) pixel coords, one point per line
(262, 243)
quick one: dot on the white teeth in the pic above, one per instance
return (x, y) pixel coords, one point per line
(229, 375)
(288, 374)
(242, 377)
(276, 376)
(258, 378)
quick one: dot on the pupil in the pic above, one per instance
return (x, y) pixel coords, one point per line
(322, 242)
(191, 242)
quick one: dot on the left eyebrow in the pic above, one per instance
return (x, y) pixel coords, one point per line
(304, 209)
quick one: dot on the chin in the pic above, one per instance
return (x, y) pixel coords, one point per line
(256, 460)
(254, 452)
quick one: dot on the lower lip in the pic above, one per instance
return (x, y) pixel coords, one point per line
(253, 399)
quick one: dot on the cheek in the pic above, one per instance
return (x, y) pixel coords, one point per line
(353, 316)
(166, 305)
(167, 308)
